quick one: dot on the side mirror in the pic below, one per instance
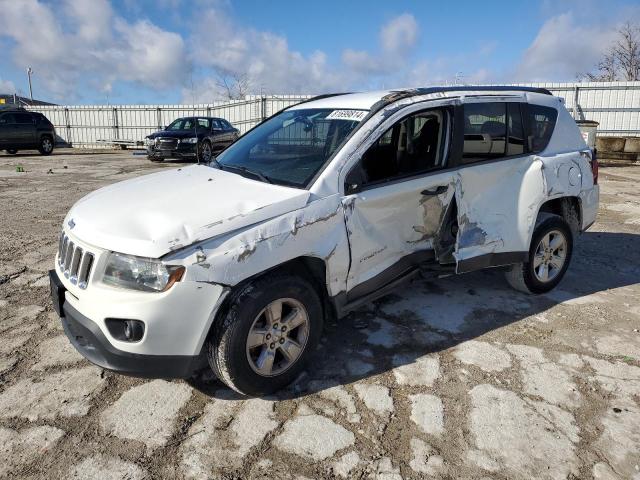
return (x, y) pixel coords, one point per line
(354, 180)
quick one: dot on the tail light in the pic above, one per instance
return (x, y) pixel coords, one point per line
(594, 165)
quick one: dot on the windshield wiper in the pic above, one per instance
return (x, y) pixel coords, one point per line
(262, 177)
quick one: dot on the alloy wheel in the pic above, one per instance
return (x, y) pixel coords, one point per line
(277, 337)
(550, 256)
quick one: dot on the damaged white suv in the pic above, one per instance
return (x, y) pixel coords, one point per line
(323, 207)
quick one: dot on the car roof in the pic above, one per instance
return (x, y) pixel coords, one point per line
(369, 100)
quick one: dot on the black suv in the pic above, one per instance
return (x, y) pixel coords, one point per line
(191, 137)
(21, 129)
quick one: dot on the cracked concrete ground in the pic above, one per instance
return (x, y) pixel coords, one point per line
(459, 378)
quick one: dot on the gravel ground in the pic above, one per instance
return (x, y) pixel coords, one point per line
(460, 378)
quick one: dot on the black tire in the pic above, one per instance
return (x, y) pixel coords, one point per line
(201, 148)
(155, 159)
(227, 345)
(522, 276)
(12, 151)
(46, 145)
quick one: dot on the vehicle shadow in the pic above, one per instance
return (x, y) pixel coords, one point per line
(430, 316)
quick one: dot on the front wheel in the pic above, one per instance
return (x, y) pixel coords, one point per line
(46, 145)
(205, 152)
(549, 257)
(12, 151)
(264, 338)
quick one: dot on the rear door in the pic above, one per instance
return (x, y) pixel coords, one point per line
(25, 129)
(498, 184)
(396, 198)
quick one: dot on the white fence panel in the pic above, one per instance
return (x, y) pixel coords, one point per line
(615, 105)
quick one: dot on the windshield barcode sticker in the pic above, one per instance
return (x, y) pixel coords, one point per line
(350, 115)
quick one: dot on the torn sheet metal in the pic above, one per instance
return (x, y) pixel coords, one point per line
(390, 222)
(317, 230)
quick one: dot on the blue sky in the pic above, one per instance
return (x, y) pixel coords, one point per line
(167, 51)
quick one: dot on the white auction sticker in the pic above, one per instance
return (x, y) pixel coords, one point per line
(350, 115)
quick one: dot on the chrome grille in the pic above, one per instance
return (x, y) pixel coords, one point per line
(74, 262)
(166, 143)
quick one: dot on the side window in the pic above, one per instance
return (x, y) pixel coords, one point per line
(24, 118)
(203, 122)
(413, 145)
(485, 131)
(226, 125)
(542, 121)
(515, 144)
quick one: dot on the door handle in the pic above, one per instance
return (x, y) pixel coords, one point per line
(436, 191)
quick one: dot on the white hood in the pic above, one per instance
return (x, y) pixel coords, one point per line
(151, 215)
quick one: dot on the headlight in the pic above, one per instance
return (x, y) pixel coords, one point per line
(148, 141)
(139, 273)
(189, 140)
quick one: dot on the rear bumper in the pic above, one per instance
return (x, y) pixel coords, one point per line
(87, 337)
(589, 201)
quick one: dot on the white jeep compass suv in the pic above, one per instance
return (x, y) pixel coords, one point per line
(322, 207)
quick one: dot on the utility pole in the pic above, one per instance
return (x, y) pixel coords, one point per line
(29, 72)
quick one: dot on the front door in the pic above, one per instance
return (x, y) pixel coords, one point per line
(8, 131)
(396, 197)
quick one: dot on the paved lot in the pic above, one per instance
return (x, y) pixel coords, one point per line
(463, 378)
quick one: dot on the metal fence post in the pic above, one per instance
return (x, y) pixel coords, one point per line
(67, 120)
(116, 132)
(263, 107)
(576, 93)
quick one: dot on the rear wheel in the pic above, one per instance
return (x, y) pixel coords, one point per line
(263, 340)
(46, 145)
(549, 257)
(12, 151)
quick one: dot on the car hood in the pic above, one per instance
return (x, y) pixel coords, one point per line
(152, 215)
(173, 134)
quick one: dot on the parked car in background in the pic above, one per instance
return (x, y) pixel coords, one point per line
(318, 210)
(21, 129)
(197, 138)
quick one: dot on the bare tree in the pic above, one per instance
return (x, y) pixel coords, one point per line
(622, 59)
(235, 86)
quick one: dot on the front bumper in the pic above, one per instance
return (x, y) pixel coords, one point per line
(171, 346)
(186, 150)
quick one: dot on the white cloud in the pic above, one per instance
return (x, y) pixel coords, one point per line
(82, 42)
(7, 87)
(220, 45)
(399, 35)
(563, 48)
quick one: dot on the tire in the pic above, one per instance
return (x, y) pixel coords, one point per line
(155, 159)
(205, 152)
(12, 151)
(46, 145)
(236, 363)
(529, 277)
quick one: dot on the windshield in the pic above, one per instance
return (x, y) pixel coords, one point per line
(291, 147)
(189, 123)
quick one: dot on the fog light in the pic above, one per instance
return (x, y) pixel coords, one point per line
(133, 330)
(125, 330)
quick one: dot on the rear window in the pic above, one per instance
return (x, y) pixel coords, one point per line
(542, 121)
